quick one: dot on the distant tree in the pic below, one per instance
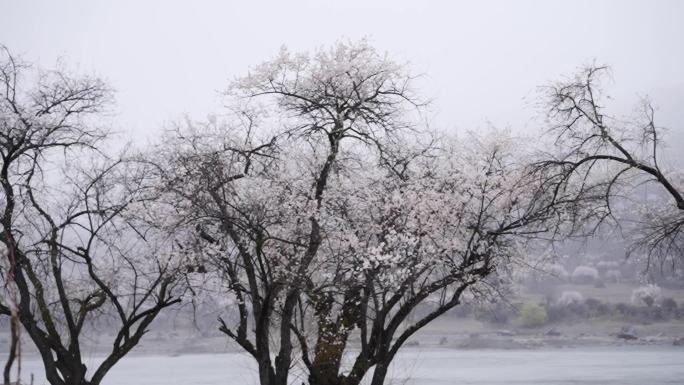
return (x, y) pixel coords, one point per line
(585, 274)
(592, 146)
(613, 276)
(569, 297)
(647, 295)
(69, 251)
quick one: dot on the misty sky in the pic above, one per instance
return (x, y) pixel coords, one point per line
(483, 60)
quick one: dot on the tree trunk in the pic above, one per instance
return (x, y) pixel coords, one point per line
(380, 373)
(266, 373)
(328, 357)
(14, 348)
(75, 374)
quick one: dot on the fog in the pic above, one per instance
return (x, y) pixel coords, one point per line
(524, 226)
(482, 61)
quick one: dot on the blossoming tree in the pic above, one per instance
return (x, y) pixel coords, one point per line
(325, 212)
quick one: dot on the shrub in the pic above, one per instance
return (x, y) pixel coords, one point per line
(533, 315)
(669, 305)
(574, 311)
(584, 274)
(648, 295)
(624, 309)
(603, 266)
(557, 271)
(496, 313)
(613, 276)
(595, 308)
(569, 297)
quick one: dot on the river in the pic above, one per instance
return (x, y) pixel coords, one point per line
(619, 365)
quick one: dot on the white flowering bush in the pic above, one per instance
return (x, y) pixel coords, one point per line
(604, 266)
(557, 271)
(570, 297)
(647, 295)
(584, 274)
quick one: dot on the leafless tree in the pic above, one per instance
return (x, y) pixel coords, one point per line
(615, 156)
(70, 253)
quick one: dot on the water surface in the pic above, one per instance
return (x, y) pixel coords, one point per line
(586, 366)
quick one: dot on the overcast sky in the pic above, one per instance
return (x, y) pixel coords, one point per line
(483, 59)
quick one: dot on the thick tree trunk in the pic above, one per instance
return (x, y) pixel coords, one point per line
(328, 357)
(266, 373)
(73, 372)
(380, 374)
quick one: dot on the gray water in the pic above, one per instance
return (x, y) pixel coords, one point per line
(595, 366)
